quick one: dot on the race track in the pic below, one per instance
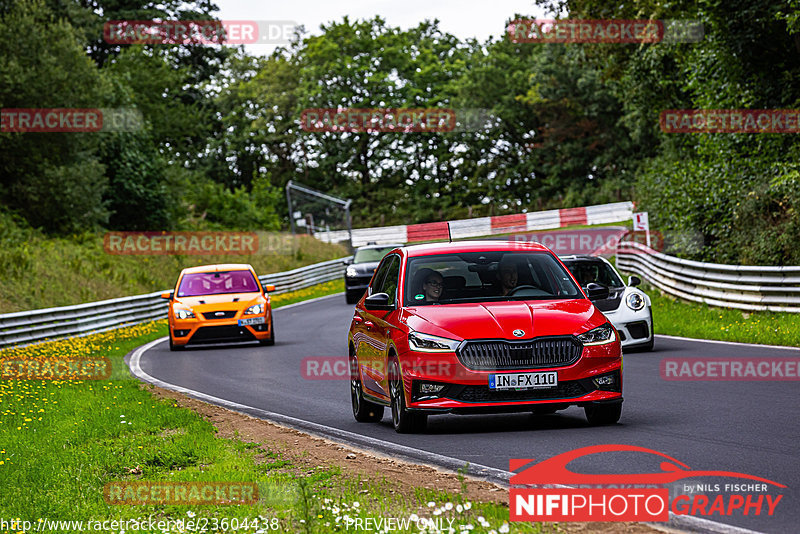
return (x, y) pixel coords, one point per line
(748, 427)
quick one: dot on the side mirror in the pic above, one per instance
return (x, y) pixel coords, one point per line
(378, 301)
(167, 295)
(634, 281)
(596, 291)
(269, 287)
(348, 261)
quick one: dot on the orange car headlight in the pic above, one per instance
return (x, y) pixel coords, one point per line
(181, 313)
(255, 309)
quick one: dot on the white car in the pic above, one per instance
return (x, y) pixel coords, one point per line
(627, 307)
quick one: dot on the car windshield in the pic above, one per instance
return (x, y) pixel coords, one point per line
(598, 271)
(196, 284)
(369, 255)
(486, 276)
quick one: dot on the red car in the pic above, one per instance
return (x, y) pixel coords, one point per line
(476, 327)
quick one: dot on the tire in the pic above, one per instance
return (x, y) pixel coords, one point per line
(403, 420)
(172, 346)
(364, 411)
(603, 414)
(271, 339)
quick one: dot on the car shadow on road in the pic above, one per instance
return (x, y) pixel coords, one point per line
(519, 422)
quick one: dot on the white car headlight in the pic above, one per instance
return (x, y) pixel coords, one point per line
(182, 313)
(351, 271)
(601, 335)
(255, 309)
(428, 343)
(635, 301)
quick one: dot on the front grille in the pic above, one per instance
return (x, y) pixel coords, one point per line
(207, 334)
(638, 330)
(564, 390)
(210, 316)
(500, 354)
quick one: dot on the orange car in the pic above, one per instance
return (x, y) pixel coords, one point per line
(218, 304)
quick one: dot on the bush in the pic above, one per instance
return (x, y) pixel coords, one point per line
(222, 208)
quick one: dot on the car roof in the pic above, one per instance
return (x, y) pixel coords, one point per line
(498, 245)
(388, 245)
(218, 267)
(581, 257)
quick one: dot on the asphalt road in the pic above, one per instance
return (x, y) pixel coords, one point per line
(747, 427)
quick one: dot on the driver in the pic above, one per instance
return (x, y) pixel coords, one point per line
(508, 276)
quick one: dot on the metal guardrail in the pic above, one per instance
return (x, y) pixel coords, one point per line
(51, 323)
(756, 288)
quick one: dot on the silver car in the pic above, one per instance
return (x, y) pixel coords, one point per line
(627, 307)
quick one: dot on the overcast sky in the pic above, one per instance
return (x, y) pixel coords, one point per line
(462, 18)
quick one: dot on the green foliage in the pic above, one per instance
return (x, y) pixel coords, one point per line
(137, 197)
(54, 180)
(235, 209)
(561, 124)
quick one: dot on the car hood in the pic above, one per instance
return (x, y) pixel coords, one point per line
(227, 298)
(498, 320)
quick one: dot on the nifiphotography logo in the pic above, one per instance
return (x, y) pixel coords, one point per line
(561, 494)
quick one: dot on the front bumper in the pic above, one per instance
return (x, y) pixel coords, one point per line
(198, 332)
(467, 391)
(634, 327)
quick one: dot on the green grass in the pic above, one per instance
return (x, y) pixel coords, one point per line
(319, 290)
(687, 319)
(42, 272)
(62, 441)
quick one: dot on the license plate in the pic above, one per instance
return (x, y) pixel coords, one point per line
(523, 380)
(253, 320)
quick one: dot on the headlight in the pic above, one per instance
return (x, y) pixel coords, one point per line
(181, 313)
(255, 309)
(598, 336)
(351, 271)
(635, 301)
(428, 343)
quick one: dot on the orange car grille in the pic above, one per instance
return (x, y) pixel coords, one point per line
(210, 316)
